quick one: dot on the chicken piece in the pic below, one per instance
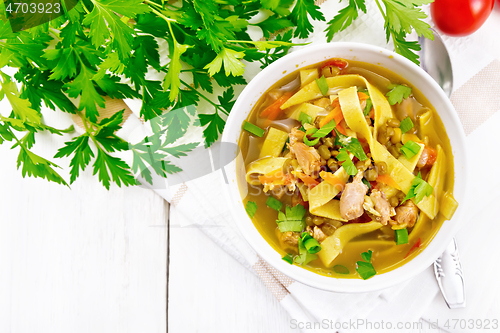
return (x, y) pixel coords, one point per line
(318, 234)
(296, 136)
(308, 158)
(381, 205)
(353, 196)
(406, 215)
(289, 241)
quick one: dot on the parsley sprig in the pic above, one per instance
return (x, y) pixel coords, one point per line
(401, 18)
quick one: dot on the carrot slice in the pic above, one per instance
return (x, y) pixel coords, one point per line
(386, 179)
(336, 114)
(362, 96)
(273, 110)
(276, 178)
(340, 63)
(308, 180)
(330, 178)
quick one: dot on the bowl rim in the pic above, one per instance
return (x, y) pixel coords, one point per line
(453, 127)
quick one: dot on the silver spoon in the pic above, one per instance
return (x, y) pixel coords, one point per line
(435, 60)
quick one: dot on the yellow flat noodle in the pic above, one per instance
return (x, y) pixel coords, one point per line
(311, 91)
(398, 172)
(383, 110)
(430, 205)
(324, 192)
(308, 108)
(332, 246)
(427, 127)
(304, 191)
(408, 136)
(423, 220)
(307, 76)
(353, 115)
(274, 143)
(263, 167)
(448, 205)
(330, 210)
(412, 162)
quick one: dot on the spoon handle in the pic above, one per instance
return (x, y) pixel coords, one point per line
(449, 275)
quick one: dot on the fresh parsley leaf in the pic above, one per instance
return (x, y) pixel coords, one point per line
(82, 154)
(404, 16)
(230, 59)
(293, 219)
(106, 164)
(304, 118)
(419, 188)
(325, 130)
(251, 208)
(322, 85)
(274, 203)
(406, 124)
(344, 18)
(397, 93)
(351, 144)
(410, 149)
(365, 268)
(172, 80)
(215, 126)
(346, 162)
(406, 48)
(299, 17)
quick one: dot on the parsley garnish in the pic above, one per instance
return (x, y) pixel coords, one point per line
(322, 85)
(274, 203)
(304, 118)
(401, 18)
(365, 268)
(397, 93)
(419, 188)
(309, 132)
(347, 163)
(293, 219)
(410, 149)
(253, 129)
(288, 258)
(351, 144)
(251, 208)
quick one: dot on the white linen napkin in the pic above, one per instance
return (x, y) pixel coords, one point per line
(477, 99)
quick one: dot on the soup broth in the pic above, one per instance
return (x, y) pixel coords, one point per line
(343, 220)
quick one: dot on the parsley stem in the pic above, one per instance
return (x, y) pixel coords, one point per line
(163, 17)
(216, 106)
(153, 3)
(84, 8)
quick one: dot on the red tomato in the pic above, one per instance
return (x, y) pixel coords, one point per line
(460, 17)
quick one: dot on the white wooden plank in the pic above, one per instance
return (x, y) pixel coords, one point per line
(81, 259)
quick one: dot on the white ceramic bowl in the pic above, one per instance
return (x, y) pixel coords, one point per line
(395, 63)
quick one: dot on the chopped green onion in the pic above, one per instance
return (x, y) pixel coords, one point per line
(322, 85)
(288, 258)
(304, 118)
(364, 268)
(253, 129)
(311, 244)
(274, 203)
(304, 256)
(401, 236)
(410, 149)
(406, 125)
(340, 269)
(325, 130)
(251, 208)
(308, 142)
